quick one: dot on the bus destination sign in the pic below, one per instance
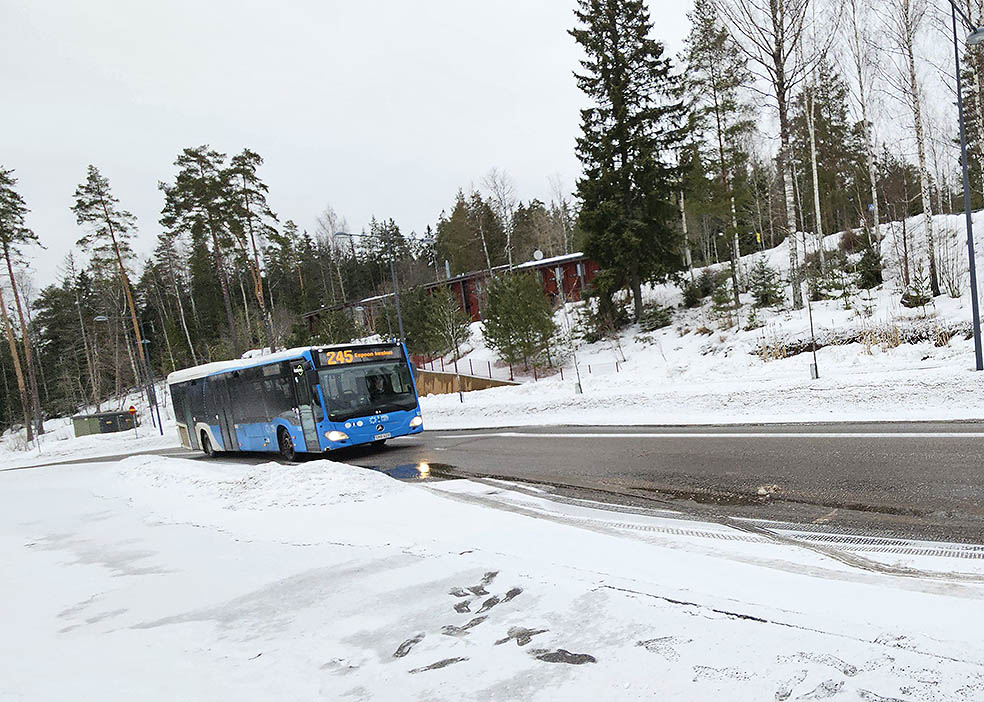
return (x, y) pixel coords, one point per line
(337, 357)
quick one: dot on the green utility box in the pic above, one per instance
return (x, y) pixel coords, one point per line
(102, 423)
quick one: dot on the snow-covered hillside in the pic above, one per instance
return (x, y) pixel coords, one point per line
(702, 368)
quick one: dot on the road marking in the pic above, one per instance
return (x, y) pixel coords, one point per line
(727, 435)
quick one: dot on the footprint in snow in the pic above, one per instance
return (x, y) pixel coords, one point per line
(452, 630)
(664, 646)
(823, 659)
(869, 696)
(521, 634)
(786, 688)
(706, 671)
(513, 593)
(562, 656)
(437, 666)
(404, 648)
(489, 604)
(828, 688)
(463, 606)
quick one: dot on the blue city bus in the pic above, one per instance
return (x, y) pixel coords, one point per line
(305, 400)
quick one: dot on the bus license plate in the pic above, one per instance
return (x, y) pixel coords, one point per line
(377, 437)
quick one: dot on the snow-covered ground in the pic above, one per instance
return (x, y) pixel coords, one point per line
(705, 369)
(60, 443)
(165, 578)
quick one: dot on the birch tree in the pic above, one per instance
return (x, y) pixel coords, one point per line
(716, 74)
(860, 55)
(903, 21)
(328, 224)
(771, 34)
(502, 198)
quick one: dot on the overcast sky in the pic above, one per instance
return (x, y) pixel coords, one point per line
(376, 108)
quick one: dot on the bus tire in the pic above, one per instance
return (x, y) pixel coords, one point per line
(207, 446)
(286, 445)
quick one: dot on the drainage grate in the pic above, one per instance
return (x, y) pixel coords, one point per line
(847, 543)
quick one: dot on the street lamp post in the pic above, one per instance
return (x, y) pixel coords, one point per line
(976, 37)
(155, 407)
(396, 287)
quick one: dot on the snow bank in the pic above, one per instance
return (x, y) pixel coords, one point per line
(233, 486)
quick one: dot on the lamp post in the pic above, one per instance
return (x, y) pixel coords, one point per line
(975, 37)
(155, 407)
(396, 288)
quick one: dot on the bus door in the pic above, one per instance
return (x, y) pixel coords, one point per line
(221, 411)
(305, 405)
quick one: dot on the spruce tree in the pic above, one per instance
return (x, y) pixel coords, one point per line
(518, 321)
(628, 133)
(764, 283)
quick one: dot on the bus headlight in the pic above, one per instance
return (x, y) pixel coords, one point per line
(416, 422)
(336, 435)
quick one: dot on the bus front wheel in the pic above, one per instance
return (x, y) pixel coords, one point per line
(207, 446)
(286, 445)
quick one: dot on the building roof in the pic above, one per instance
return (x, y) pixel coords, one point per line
(551, 261)
(534, 265)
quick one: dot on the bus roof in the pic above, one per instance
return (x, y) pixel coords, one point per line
(208, 369)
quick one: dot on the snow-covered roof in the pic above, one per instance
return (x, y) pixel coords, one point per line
(548, 261)
(207, 369)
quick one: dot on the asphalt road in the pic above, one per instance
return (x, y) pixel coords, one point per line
(917, 480)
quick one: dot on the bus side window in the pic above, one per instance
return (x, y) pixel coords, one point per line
(279, 398)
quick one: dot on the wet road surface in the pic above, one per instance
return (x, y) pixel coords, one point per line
(917, 480)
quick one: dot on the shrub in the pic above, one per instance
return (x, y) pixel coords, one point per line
(753, 321)
(764, 284)
(655, 317)
(695, 291)
(850, 241)
(869, 268)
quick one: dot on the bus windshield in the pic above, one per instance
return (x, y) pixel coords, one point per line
(363, 389)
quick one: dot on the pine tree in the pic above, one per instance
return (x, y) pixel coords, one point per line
(628, 186)
(110, 231)
(13, 236)
(198, 202)
(12, 228)
(251, 223)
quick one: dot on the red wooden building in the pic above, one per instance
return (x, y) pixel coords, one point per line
(574, 270)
